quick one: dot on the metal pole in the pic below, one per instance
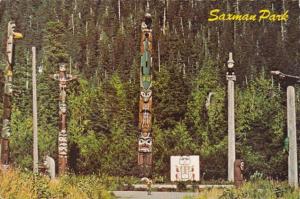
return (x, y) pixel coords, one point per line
(291, 124)
(34, 109)
(231, 132)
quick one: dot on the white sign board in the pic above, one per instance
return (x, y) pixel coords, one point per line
(184, 168)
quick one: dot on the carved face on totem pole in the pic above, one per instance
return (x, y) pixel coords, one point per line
(148, 20)
(62, 95)
(146, 41)
(62, 143)
(62, 108)
(145, 144)
(6, 129)
(62, 67)
(8, 88)
(145, 114)
(146, 95)
(11, 31)
(242, 166)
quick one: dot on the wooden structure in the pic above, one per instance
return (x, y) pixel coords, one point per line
(8, 92)
(145, 101)
(62, 78)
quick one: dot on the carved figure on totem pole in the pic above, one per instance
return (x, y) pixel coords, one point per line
(6, 129)
(146, 42)
(62, 108)
(145, 113)
(62, 143)
(62, 95)
(145, 152)
(8, 87)
(145, 144)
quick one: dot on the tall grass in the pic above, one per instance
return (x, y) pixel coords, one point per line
(20, 185)
(258, 189)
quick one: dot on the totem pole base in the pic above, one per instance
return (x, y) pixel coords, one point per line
(62, 165)
(4, 154)
(145, 171)
(145, 164)
(4, 151)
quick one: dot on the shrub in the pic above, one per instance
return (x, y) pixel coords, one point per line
(16, 184)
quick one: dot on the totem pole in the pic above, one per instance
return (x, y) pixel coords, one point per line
(8, 91)
(238, 172)
(145, 102)
(62, 78)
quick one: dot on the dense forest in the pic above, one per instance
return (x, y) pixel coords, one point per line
(99, 39)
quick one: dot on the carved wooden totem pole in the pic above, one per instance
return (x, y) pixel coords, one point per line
(8, 91)
(62, 78)
(238, 172)
(145, 102)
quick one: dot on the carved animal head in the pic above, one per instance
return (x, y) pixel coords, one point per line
(62, 108)
(145, 144)
(146, 94)
(240, 164)
(6, 129)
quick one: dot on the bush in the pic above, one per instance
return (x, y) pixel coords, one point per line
(255, 189)
(261, 189)
(16, 184)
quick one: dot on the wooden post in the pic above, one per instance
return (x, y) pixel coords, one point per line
(34, 108)
(291, 124)
(119, 10)
(231, 131)
(158, 52)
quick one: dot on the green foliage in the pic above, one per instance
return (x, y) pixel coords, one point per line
(261, 189)
(15, 184)
(171, 142)
(21, 139)
(101, 129)
(206, 119)
(170, 91)
(260, 127)
(54, 46)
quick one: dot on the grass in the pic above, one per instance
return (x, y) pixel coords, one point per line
(259, 189)
(20, 185)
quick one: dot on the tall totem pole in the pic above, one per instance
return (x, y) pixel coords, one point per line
(145, 102)
(8, 91)
(62, 78)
